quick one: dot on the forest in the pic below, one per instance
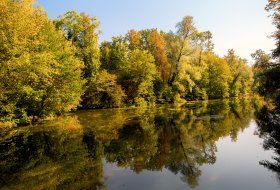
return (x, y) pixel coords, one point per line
(50, 67)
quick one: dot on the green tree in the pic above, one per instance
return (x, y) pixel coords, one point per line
(39, 73)
(179, 44)
(137, 76)
(267, 71)
(218, 77)
(265, 75)
(135, 68)
(114, 54)
(104, 92)
(242, 75)
(203, 40)
(153, 41)
(81, 30)
(274, 7)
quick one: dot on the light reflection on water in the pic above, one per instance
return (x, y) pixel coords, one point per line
(214, 145)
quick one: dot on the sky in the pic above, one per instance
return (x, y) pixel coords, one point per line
(242, 25)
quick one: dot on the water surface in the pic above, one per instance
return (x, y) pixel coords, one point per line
(207, 145)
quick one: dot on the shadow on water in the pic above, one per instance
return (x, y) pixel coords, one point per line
(269, 129)
(68, 153)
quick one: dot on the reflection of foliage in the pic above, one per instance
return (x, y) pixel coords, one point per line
(68, 152)
(136, 144)
(49, 156)
(180, 140)
(269, 129)
(104, 124)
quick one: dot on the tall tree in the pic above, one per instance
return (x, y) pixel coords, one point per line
(114, 54)
(203, 40)
(271, 72)
(39, 73)
(242, 76)
(178, 44)
(104, 92)
(274, 7)
(137, 76)
(81, 30)
(218, 77)
(153, 41)
(264, 84)
(134, 39)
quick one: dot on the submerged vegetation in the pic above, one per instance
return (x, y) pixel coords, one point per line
(49, 67)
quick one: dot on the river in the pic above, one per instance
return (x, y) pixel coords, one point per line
(205, 145)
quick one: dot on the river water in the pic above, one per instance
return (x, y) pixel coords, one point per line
(206, 145)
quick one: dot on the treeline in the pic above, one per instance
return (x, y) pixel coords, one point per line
(49, 67)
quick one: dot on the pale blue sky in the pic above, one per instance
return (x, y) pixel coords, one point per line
(242, 25)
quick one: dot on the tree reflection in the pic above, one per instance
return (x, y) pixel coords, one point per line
(50, 156)
(68, 152)
(180, 140)
(269, 129)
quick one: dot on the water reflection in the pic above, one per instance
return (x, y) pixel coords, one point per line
(68, 153)
(269, 130)
(51, 156)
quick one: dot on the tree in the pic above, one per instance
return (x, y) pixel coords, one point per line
(104, 92)
(153, 41)
(39, 73)
(134, 39)
(242, 76)
(178, 44)
(266, 75)
(134, 67)
(261, 64)
(81, 30)
(218, 77)
(203, 40)
(137, 75)
(114, 54)
(274, 6)
(186, 50)
(270, 74)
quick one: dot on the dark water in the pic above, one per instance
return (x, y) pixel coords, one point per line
(214, 145)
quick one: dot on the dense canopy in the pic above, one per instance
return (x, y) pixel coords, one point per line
(49, 67)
